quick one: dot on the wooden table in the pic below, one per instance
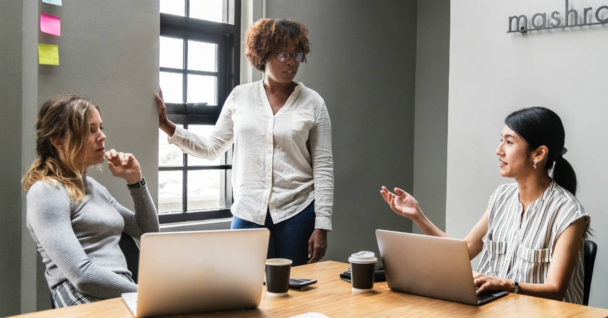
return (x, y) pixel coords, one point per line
(333, 297)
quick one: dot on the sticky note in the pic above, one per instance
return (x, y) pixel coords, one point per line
(53, 2)
(48, 54)
(50, 24)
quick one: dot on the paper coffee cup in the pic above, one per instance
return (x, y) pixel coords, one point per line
(363, 266)
(277, 276)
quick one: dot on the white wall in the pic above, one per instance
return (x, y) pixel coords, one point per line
(493, 73)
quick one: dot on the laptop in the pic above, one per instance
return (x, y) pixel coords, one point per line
(430, 266)
(195, 272)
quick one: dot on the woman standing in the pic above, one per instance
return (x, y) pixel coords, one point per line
(282, 162)
(531, 235)
(74, 220)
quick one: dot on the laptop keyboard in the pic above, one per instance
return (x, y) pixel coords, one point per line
(489, 296)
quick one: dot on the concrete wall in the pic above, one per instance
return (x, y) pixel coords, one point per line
(108, 53)
(431, 119)
(493, 73)
(32, 283)
(10, 156)
(362, 62)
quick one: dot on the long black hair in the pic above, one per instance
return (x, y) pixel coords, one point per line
(541, 126)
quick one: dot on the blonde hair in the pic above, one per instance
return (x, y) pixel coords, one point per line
(65, 117)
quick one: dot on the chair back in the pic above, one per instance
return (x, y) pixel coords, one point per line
(131, 251)
(589, 252)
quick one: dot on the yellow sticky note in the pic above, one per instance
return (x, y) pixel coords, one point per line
(48, 54)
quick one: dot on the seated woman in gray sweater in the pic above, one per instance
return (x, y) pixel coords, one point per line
(74, 220)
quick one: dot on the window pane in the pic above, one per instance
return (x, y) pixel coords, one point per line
(202, 56)
(171, 52)
(176, 7)
(171, 84)
(202, 89)
(210, 10)
(204, 189)
(170, 191)
(203, 130)
(168, 155)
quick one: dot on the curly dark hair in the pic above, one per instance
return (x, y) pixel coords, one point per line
(268, 36)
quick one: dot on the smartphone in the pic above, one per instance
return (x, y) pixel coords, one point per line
(299, 283)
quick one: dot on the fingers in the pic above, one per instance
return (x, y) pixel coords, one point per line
(311, 246)
(318, 251)
(159, 96)
(126, 158)
(400, 192)
(479, 281)
(318, 254)
(482, 288)
(119, 158)
(390, 199)
(159, 99)
(317, 245)
(314, 257)
(110, 154)
(388, 196)
(385, 194)
(485, 283)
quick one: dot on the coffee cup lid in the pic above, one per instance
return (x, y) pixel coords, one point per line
(278, 261)
(363, 257)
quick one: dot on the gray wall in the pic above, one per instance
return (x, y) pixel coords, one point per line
(362, 62)
(493, 73)
(10, 157)
(431, 119)
(108, 53)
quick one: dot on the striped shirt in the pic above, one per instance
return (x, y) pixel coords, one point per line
(520, 248)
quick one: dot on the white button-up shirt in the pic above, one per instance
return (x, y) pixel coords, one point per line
(281, 162)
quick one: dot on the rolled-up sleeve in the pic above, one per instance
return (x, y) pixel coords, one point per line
(213, 145)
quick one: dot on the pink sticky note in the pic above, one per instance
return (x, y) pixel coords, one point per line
(50, 24)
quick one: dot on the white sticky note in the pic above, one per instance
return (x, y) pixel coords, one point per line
(53, 2)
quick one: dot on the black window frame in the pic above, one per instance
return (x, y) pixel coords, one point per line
(227, 38)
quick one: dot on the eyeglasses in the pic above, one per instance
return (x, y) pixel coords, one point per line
(297, 56)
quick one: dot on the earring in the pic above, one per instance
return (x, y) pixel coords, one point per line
(534, 164)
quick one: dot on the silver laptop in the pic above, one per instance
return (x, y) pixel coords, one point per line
(194, 272)
(430, 266)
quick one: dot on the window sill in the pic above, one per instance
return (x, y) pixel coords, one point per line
(215, 224)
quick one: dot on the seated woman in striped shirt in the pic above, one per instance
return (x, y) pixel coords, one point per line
(531, 234)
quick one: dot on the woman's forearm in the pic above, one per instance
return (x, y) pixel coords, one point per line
(426, 226)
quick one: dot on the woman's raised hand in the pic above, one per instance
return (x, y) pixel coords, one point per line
(163, 121)
(401, 202)
(124, 165)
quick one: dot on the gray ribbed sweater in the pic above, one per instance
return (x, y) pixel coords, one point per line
(78, 241)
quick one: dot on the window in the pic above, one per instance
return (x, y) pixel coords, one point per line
(198, 58)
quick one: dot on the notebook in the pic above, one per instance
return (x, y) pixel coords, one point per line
(430, 266)
(195, 272)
